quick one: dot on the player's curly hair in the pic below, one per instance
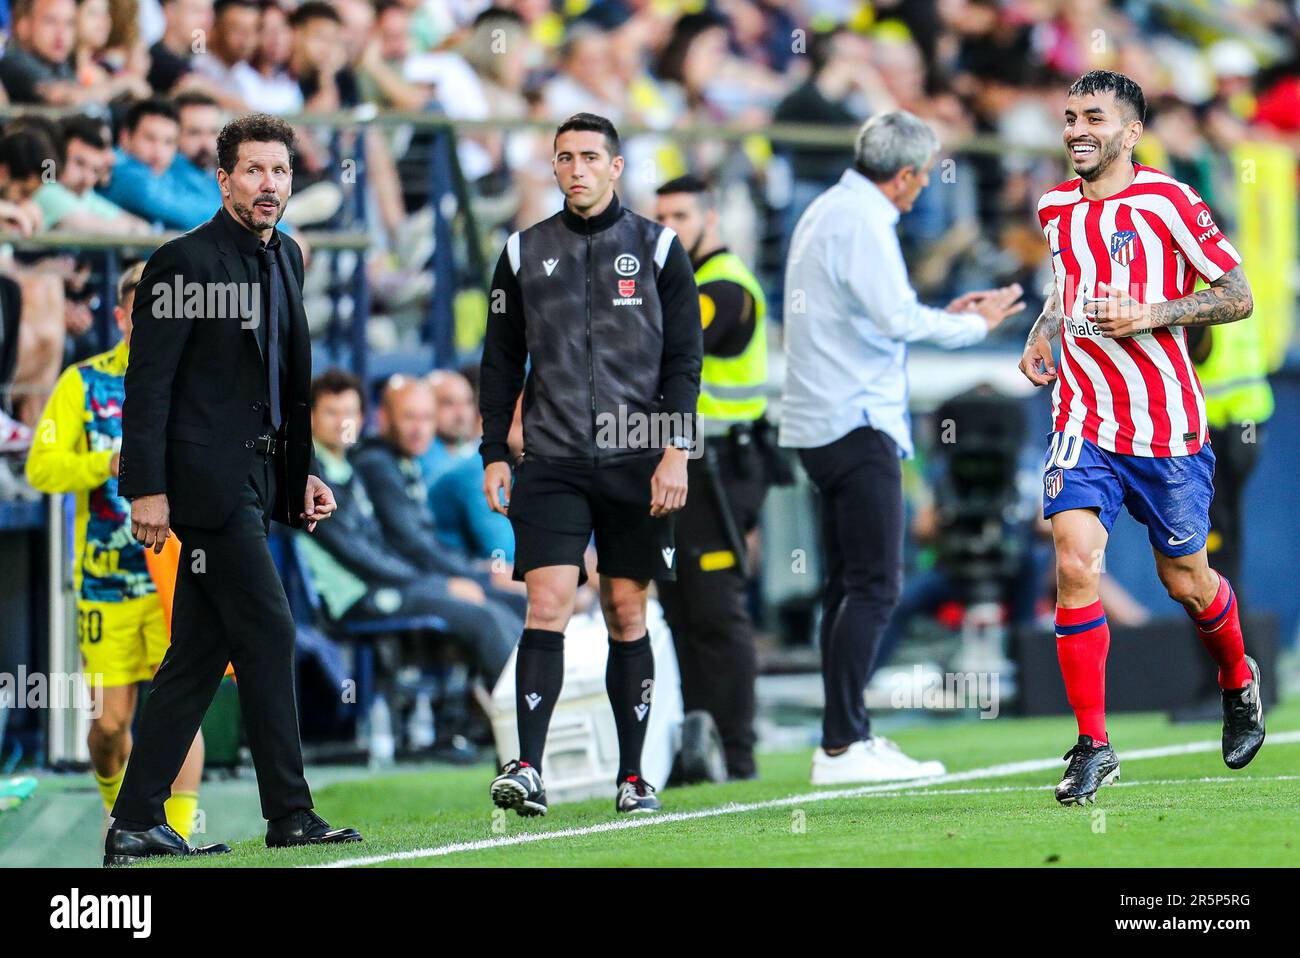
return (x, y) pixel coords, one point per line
(253, 128)
(1107, 81)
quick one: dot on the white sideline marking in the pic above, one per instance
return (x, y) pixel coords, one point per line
(922, 786)
(1209, 779)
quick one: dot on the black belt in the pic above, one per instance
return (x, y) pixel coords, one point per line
(266, 445)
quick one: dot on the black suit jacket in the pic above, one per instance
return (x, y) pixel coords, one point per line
(196, 387)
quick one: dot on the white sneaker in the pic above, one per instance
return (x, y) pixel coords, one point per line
(860, 762)
(910, 767)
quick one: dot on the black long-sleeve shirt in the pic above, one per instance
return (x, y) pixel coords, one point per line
(568, 297)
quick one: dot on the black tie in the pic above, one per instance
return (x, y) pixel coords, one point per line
(272, 268)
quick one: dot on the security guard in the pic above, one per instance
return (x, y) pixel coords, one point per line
(1232, 364)
(1238, 401)
(707, 606)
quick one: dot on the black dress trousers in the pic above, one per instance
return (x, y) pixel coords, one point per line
(230, 606)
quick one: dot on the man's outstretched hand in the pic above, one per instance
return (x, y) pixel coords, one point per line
(319, 503)
(993, 305)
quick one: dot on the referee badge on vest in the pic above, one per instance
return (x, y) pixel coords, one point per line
(1052, 483)
(1123, 247)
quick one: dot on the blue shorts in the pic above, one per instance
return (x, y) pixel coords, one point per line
(1170, 495)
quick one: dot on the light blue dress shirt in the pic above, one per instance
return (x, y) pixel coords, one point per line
(180, 199)
(850, 312)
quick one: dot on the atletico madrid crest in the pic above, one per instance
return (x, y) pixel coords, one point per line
(1052, 483)
(1123, 247)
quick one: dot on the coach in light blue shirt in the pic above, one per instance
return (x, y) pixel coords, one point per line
(850, 312)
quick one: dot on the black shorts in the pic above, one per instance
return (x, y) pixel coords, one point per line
(555, 508)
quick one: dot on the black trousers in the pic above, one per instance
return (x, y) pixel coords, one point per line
(229, 607)
(860, 480)
(487, 633)
(707, 606)
(1234, 461)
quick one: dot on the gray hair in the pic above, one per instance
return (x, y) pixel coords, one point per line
(890, 141)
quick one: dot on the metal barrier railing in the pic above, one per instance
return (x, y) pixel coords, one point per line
(451, 202)
(344, 326)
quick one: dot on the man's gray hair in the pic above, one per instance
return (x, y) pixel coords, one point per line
(890, 141)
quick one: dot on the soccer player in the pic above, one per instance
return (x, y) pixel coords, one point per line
(600, 306)
(1128, 245)
(121, 624)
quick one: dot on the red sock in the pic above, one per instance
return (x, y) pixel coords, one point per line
(1082, 638)
(1220, 632)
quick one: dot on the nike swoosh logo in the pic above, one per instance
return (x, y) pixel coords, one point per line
(1179, 542)
(1058, 252)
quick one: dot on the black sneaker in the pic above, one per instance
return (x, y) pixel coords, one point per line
(636, 796)
(1243, 721)
(520, 787)
(1091, 767)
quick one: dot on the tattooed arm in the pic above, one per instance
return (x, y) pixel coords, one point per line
(1038, 347)
(1049, 321)
(1227, 300)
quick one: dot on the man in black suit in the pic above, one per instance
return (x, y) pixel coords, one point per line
(216, 441)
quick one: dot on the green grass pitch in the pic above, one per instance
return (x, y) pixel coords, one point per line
(1183, 809)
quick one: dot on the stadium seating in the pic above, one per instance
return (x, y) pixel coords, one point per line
(320, 638)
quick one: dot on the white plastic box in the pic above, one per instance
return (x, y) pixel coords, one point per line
(581, 757)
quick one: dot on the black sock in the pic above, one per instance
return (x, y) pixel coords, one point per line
(539, 675)
(629, 680)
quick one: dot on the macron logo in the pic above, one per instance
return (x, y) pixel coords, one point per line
(641, 712)
(668, 556)
(550, 265)
(533, 700)
(75, 911)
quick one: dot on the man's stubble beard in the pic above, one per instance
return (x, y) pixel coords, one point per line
(1110, 151)
(247, 216)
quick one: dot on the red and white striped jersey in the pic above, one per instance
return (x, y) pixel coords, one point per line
(1138, 395)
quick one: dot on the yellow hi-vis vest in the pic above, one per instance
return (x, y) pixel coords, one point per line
(1243, 353)
(734, 388)
(1234, 374)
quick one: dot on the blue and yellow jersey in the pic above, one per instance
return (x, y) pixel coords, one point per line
(72, 451)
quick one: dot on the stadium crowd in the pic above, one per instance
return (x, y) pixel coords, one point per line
(144, 86)
(151, 78)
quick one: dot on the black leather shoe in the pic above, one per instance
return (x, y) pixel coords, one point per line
(305, 827)
(126, 847)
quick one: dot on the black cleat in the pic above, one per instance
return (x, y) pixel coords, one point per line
(1243, 721)
(519, 786)
(636, 796)
(1091, 767)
